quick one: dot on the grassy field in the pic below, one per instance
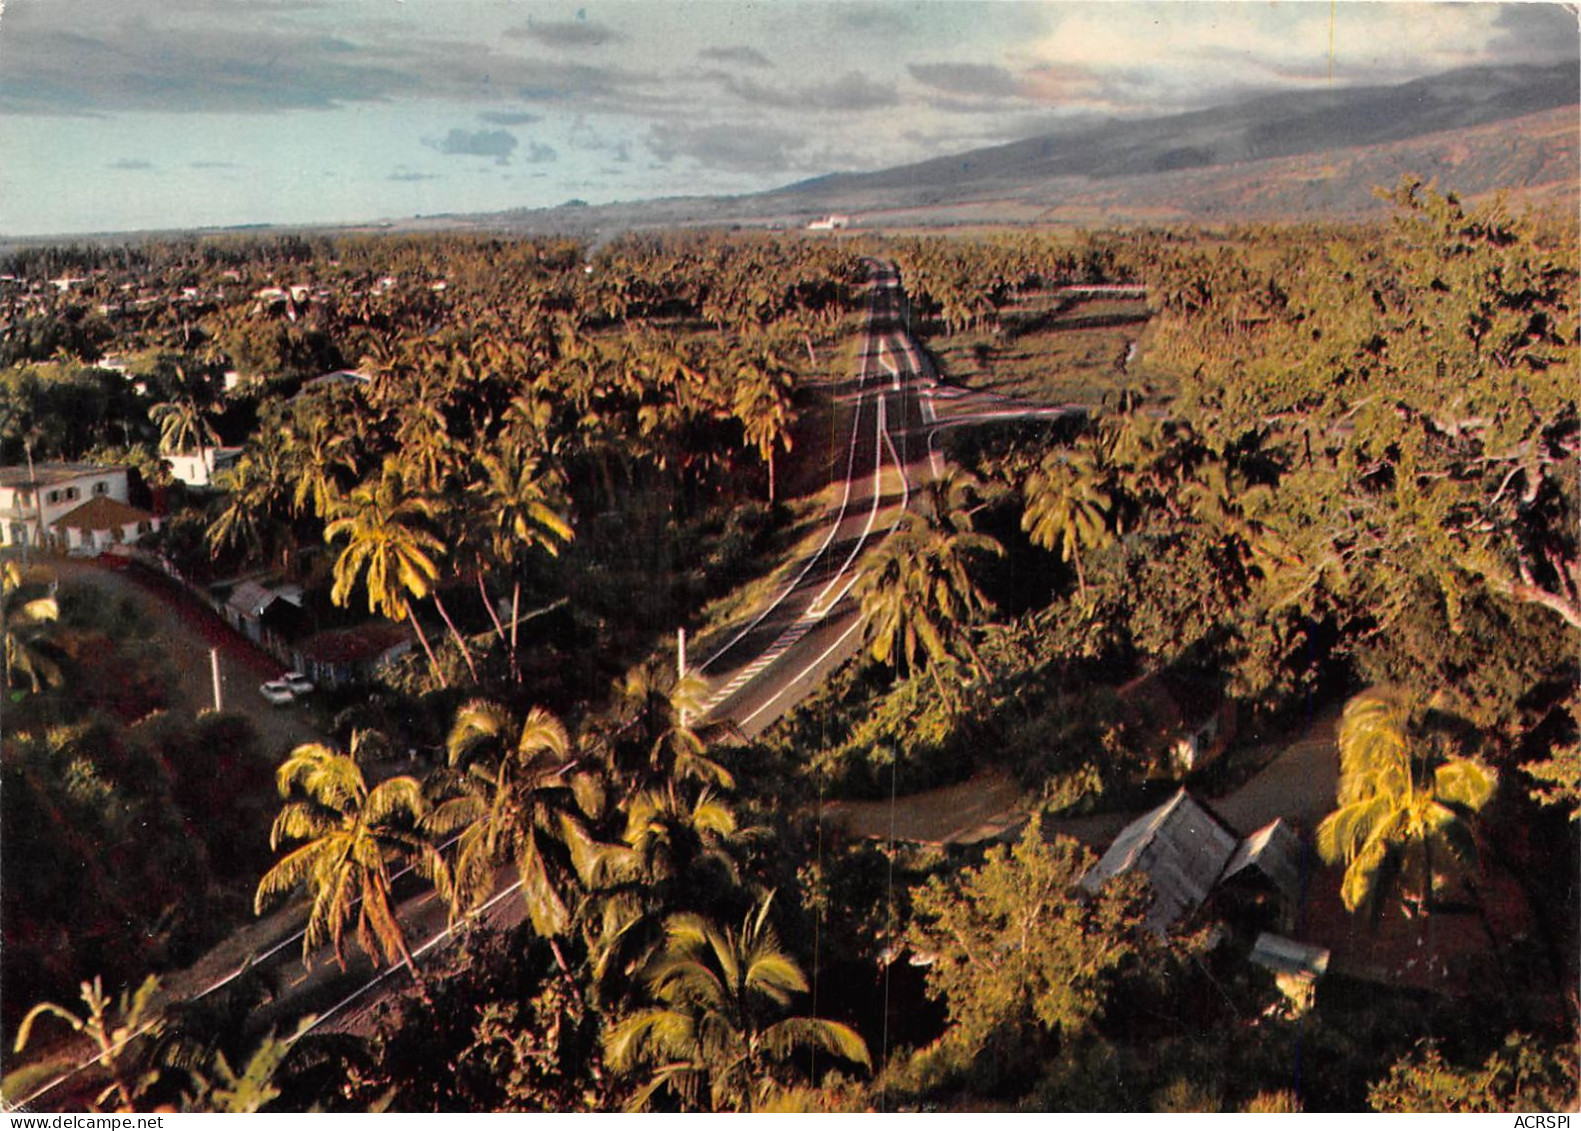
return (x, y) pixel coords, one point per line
(1053, 350)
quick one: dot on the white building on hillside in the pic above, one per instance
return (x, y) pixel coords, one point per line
(196, 469)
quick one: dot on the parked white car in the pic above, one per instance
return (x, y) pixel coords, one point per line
(297, 682)
(277, 692)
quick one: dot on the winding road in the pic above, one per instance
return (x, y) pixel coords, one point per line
(813, 624)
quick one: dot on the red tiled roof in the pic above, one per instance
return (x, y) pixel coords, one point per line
(102, 513)
(348, 645)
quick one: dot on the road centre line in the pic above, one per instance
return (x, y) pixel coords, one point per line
(845, 499)
(905, 487)
(418, 953)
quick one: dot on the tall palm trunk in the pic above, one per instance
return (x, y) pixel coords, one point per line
(499, 629)
(565, 970)
(516, 600)
(466, 653)
(488, 607)
(433, 663)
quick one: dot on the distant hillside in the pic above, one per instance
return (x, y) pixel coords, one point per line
(1533, 159)
(1273, 126)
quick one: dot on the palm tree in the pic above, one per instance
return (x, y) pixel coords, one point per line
(385, 541)
(351, 835)
(761, 402)
(675, 854)
(915, 588)
(1228, 504)
(524, 804)
(648, 741)
(254, 515)
(1067, 509)
(125, 1033)
(520, 505)
(182, 426)
(318, 452)
(24, 611)
(1399, 800)
(710, 1040)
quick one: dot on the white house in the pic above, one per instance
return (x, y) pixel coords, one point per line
(196, 469)
(66, 506)
(830, 223)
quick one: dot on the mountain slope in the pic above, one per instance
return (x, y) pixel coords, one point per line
(1279, 125)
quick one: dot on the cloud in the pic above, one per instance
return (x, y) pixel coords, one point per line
(746, 56)
(412, 177)
(1163, 57)
(130, 164)
(727, 148)
(538, 154)
(1536, 33)
(498, 144)
(884, 19)
(201, 55)
(973, 79)
(579, 32)
(212, 165)
(128, 61)
(852, 91)
(509, 117)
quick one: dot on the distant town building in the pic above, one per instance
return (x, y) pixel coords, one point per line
(196, 469)
(830, 223)
(349, 377)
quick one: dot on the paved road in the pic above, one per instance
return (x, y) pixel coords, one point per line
(811, 625)
(898, 407)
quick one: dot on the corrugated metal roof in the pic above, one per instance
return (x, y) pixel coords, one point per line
(251, 598)
(1181, 847)
(1287, 956)
(352, 645)
(1275, 850)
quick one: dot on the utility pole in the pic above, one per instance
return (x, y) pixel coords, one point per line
(680, 663)
(214, 665)
(38, 501)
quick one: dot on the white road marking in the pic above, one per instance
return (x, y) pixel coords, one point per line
(416, 954)
(845, 499)
(814, 614)
(802, 629)
(791, 683)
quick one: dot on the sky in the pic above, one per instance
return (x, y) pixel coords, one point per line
(120, 115)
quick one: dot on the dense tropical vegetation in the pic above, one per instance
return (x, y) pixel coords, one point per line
(1334, 468)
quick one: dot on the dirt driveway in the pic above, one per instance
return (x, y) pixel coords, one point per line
(184, 629)
(1298, 783)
